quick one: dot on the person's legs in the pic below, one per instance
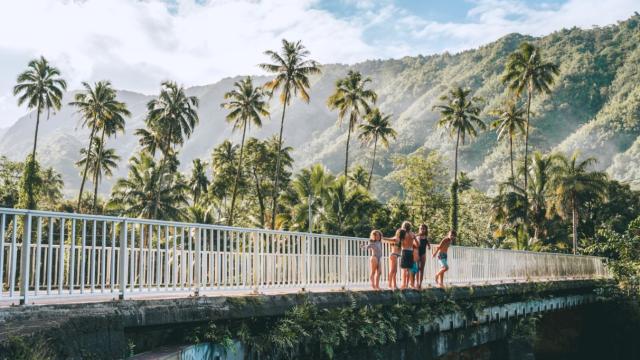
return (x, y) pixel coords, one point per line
(373, 269)
(378, 273)
(423, 260)
(393, 269)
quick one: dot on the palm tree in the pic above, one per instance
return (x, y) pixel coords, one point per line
(171, 118)
(292, 69)
(138, 194)
(542, 168)
(305, 197)
(526, 70)
(51, 186)
(351, 99)
(574, 184)
(198, 183)
(342, 207)
(40, 87)
(359, 176)
(99, 161)
(247, 105)
(510, 121)
(377, 127)
(100, 110)
(460, 116)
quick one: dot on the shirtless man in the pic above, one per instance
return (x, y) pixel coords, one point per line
(407, 259)
(441, 251)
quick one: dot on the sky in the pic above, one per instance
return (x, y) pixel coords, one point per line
(137, 44)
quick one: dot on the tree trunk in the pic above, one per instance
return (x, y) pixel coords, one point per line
(235, 186)
(86, 165)
(35, 137)
(526, 161)
(97, 171)
(260, 198)
(373, 161)
(161, 174)
(275, 187)
(574, 211)
(346, 158)
(513, 176)
(455, 167)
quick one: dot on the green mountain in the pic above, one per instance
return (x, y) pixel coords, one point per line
(594, 108)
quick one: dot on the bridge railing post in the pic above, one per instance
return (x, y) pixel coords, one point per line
(124, 259)
(257, 265)
(345, 263)
(305, 261)
(198, 262)
(24, 263)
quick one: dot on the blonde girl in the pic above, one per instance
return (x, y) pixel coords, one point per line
(375, 266)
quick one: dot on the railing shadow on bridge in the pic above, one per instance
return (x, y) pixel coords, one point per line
(89, 256)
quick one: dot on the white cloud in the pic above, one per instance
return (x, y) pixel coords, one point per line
(136, 44)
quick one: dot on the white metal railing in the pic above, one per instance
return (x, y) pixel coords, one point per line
(87, 255)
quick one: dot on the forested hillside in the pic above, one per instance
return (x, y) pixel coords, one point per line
(594, 107)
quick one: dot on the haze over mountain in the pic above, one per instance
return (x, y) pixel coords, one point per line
(594, 108)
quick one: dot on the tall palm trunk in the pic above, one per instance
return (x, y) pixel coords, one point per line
(526, 160)
(96, 175)
(373, 161)
(455, 167)
(260, 198)
(161, 172)
(513, 177)
(346, 158)
(35, 137)
(276, 181)
(86, 165)
(235, 186)
(574, 215)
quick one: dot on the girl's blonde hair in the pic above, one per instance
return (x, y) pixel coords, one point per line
(406, 225)
(373, 234)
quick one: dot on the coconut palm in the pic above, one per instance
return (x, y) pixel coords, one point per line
(305, 197)
(541, 172)
(526, 70)
(100, 110)
(574, 185)
(51, 186)
(292, 69)
(172, 115)
(138, 194)
(352, 100)
(359, 176)
(376, 127)
(459, 115)
(509, 123)
(171, 118)
(99, 162)
(342, 208)
(40, 87)
(247, 105)
(198, 183)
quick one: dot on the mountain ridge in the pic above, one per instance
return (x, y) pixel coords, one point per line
(594, 108)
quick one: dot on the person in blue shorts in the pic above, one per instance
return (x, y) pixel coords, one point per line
(441, 252)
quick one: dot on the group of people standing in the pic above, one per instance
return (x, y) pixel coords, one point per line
(410, 251)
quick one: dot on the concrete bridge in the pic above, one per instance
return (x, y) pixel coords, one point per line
(99, 278)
